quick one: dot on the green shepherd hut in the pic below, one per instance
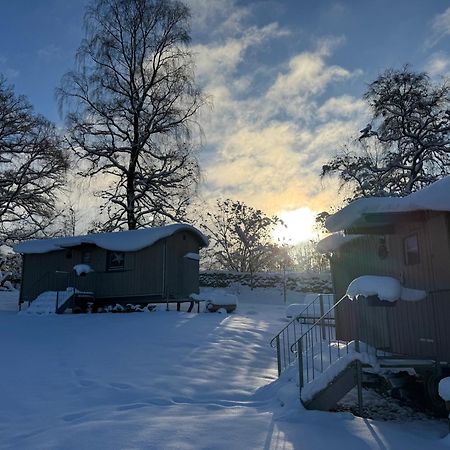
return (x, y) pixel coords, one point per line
(129, 267)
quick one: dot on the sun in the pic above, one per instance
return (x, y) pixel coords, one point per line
(298, 226)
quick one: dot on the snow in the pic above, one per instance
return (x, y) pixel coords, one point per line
(45, 303)
(432, 198)
(386, 288)
(194, 256)
(333, 370)
(122, 241)
(334, 241)
(170, 380)
(82, 269)
(216, 297)
(444, 389)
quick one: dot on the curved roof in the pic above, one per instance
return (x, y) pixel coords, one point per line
(122, 241)
(435, 197)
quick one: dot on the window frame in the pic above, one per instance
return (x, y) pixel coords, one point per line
(111, 268)
(406, 254)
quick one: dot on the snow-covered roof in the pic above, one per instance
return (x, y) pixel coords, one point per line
(435, 197)
(122, 241)
(334, 241)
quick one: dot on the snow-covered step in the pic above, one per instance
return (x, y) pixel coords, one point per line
(342, 383)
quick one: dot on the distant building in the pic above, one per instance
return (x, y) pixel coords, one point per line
(137, 267)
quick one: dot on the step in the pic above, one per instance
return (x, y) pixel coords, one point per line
(327, 398)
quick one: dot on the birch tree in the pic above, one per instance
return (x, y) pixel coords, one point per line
(130, 109)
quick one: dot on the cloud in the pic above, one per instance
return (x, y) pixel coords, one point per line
(438, 65)
(219, 60)
(440, 27)
(50, 52)
(271, 129)
(7, 70)
(217, 17)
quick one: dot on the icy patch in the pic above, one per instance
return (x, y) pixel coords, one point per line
(386, 288)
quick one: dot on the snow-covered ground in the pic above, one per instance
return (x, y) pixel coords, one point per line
(168, 380)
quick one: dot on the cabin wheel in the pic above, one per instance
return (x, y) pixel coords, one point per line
(431, 386)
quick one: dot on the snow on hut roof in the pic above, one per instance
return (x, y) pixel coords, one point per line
(435, 197)
(334, 241)
(122, 241)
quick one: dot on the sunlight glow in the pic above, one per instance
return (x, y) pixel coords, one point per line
(299, 226)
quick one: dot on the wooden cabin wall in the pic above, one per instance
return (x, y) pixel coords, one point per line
(411, 328)
(182, 273)
(142, 274)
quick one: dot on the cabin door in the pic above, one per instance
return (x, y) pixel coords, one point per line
(189, 276)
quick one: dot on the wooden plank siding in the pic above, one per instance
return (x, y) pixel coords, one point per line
(143, 273)
(412, 328)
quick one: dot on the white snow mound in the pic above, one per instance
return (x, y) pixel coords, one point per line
(82, 269)
(444, 388)
(386, 288)
(216, 298)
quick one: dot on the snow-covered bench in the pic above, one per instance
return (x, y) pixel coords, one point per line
(217, 300)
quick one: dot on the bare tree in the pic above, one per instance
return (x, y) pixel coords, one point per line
(131, 107)
(32, 168)
(241, 236)
(406, 147)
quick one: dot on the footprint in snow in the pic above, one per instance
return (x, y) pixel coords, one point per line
(120, 385)
(73, 417)
(87, 383)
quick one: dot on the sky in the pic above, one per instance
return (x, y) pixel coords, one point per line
(284, 79)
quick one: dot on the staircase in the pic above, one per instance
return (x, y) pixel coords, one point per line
(328, 368)
(296, 328)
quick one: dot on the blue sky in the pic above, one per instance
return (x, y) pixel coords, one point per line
(285, 79)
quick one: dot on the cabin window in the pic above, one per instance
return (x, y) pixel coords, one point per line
(411, 250)
(86, 257)
(115, 261)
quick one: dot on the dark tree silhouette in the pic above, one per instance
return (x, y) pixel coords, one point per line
(131, 106)
(241, 237)
(32, 168)
(407, 145)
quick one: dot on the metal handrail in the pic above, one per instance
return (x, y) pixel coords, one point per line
(317, 322)
(290, 331)
(293, 320)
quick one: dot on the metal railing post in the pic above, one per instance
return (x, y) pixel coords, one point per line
(57, 302)
(278, 355)
(359, 379)
(301, 380)
(322, 311)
